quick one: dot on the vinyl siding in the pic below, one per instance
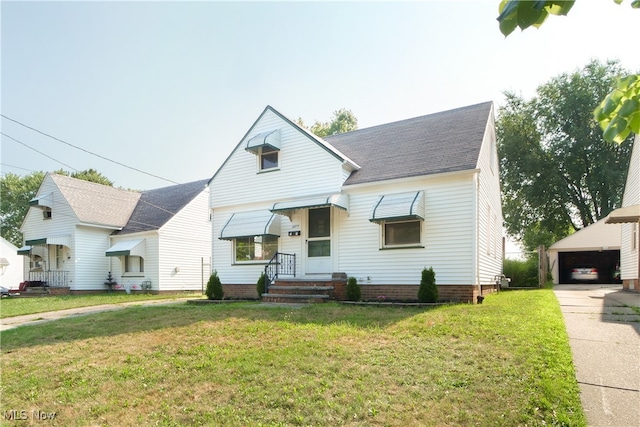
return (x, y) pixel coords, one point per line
(151, 266)
(446, 235)
(628, 255)
(91, 264)
(184, 242)
(489, 209)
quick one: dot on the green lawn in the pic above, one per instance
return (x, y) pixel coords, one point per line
(13, 306)
(506, 362)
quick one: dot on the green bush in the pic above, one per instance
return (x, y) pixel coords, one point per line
(214, 287)
(261, 285)
(523, 274)
(353, 289)
(428, 291)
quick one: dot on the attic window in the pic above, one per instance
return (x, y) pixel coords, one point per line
(46, 212)
(268, 159)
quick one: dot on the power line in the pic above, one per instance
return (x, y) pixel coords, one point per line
(39, 152)
(17, 167)
(87, 151)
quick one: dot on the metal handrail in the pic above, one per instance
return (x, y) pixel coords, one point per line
(51, 278)
(280, 264)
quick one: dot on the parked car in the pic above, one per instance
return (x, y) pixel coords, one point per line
(584, 273)
(4, 292)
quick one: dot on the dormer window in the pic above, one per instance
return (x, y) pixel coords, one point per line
(266, 146)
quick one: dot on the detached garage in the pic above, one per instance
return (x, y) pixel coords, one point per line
(596, 247)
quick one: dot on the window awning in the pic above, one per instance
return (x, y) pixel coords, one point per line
(269, 139)
(129, 248)
(55, 240)
(249, 224)
(399, 206)
(338, 200)
(45, 200)
(623, 215)
(33, 250)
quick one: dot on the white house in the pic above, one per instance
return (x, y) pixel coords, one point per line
(73, 227)
(11, 265)
(629, 216)
(378, 204)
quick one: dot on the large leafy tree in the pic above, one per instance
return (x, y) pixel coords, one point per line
(619, 112)
(558, 174)
(343, 120)
(16, 191)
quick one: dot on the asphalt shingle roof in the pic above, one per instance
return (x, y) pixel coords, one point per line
(156, 207)
(447, 141)
(96, 203)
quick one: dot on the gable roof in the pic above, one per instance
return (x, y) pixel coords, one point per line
(96, 203)
(156, 207)
(447, 141)
(317, 140)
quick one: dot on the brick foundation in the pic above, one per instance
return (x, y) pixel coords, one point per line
(632, 285)
(458, 293)
(240, 291)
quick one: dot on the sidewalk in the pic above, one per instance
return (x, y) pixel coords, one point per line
(34, 319)
(604, 335)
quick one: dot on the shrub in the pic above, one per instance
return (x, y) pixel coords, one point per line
(523, 274)
(214, 287)
(428, 291)
(353, 289)
(261, 285)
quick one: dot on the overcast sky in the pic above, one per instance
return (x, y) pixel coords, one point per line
(170, 88)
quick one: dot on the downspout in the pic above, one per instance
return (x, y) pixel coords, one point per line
(477, 234)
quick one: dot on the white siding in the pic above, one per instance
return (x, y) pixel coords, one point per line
(91, 264)
(322, 176)
(628, 255)
(11, 275)
(489, 209)
(446, 235)
(134, 280)
(184, 242)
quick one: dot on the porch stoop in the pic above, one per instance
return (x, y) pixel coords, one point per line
(303, 289)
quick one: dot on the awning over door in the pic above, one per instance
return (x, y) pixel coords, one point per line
(269, 139)
(44, 200)
(625, 214)
(55, 240)
(338, 200)
(25, 250)
(401, 206)
(33, 250)
(128, 248)
(249, 224)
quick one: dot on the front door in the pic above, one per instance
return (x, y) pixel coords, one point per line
(319, 241)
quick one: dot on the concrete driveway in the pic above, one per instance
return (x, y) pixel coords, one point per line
(604, 334)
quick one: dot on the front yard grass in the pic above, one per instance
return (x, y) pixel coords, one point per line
(14, 306)
(506, 362)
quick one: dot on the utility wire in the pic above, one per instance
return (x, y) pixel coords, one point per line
(87, 151)
(39, 152)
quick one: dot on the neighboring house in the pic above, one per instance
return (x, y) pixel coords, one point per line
(596, 246)
(11, 265)
(167, 240)
(379, 204)
(629, 216)
(71, 229)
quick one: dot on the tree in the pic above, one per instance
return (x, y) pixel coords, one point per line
(428, 291)
(619, 112)
(558, 175)
(16, 191)
(214, 287)
(342, 121)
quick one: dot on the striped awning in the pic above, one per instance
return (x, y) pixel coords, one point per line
(129, 248)
(401, 206)
(269, 139)
(45, 200)
(249, 224)
(338, 200)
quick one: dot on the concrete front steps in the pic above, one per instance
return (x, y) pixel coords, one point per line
(303, 290)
